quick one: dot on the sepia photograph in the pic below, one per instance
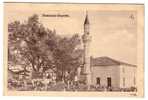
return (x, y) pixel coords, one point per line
(73, 49)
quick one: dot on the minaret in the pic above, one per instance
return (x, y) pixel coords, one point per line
(86, 43)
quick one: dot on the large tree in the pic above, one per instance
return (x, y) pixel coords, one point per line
(32, 45)
(67, 55)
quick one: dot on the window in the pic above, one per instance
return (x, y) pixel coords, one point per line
(134, 81)
(98, 80)
(109, 81)
(123, 70)
(123, 81)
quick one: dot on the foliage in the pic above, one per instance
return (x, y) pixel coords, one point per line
(31, 45)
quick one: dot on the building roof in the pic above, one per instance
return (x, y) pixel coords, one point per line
(107, 61)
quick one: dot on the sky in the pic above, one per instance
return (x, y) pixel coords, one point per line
(114, 33)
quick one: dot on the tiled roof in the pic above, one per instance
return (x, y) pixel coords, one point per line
(107, 61)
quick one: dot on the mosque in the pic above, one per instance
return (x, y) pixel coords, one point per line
(104, 71)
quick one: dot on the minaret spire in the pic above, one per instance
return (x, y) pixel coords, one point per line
(86, 24)
(86, 18)
(86, 43)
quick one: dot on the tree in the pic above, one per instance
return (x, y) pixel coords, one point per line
(27, 44)
(67, 56)
(32, 45)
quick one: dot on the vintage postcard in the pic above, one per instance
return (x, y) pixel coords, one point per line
(63, 49)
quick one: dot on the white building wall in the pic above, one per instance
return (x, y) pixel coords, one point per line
(127, 76)
(106, 71)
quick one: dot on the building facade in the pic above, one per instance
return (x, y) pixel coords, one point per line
(107, 72)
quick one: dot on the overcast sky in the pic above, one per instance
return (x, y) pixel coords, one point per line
(113, 33)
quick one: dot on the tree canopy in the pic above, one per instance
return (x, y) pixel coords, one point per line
(39, 48)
